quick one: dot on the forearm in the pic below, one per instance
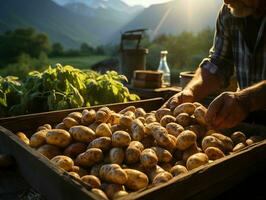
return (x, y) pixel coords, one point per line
(203, 84)
(254, 97)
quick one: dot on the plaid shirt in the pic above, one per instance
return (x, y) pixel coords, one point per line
(230, 52)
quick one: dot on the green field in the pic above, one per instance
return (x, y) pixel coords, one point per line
(81, 62)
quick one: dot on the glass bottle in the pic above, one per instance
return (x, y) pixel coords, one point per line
(163, 67)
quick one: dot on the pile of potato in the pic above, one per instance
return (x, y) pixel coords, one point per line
(117, 153)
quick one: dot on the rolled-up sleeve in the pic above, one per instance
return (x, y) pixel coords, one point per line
(220, 61)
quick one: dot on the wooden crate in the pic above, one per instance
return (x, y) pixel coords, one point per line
(204, 182)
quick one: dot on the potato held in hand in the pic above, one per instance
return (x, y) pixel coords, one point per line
(188, 108)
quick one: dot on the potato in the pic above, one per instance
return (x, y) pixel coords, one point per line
(89, 157)
(142, 119)
(103, 143)
(69, 122)
(162, 178)
(227, 142)
(58, 137)
(45, 126)
(82, 133)
(117, 155)
(238, 137)
(120, 194)
(197, 160)
(23, 138)
(73, 150)
(136, 180)
(148, 141)
(102, 116)
(80, 171)
(138, 130)
(167, 166)
(214, 153)
(76, 115)
(126, 121)
(188, 108)
(210, 132)
(133, 152)
(174, 129)
(38, 139)
(148, 158)
(99, 193)
(163, 155)
(184, 119)
(6, 161)
(193, 149)
(88, 116)
(238, 147)
(161, 136)
(181, 162)
(74, 174)
(114, 118)
(112, 189)
(150, 119)
(63, 162)
(162, 112)
(154, 171)
(95, 169)
(49, 151)
(253, 139)
(113, 173)
(199, 114)
(129, 108)
(120, 139)
(116, 127)
(185, 139)
(178, 170)
(211, 141)
(197, 104)
(166, 120)
(140, 112)
(92, 181)
(61, 126)
(130, 114)
(198, 129)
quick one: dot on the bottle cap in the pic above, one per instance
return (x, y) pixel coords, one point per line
(164, 52)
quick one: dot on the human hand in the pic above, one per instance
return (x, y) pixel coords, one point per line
(227, 110)
(184, 96)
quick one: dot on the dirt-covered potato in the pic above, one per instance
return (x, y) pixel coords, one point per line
(80, 171)
(49, 150)
(92, 181)
(103, 143)
(253, 139)
(114, 118)
(58, 137)
(74, 174)
(197, 160)
(95, 169)
(38, 139)
(198, 129)
(43, 127)
(167, 166)
(163, 155)
(133, 152)
(73, 150)
(69, 122)
(130, 114)
(113, 173)
(150, 119)
(166, 120)
(120, 194)
(89, 157)
(136, 180)
(238, 137)
(61, 126)
(161, 136)
(199, 114)
(188, 108)
(82, 133)
(193, 149)
(138, 130)
(154, 171)
(211, 141)
(184, 119)
(103, 130)
(126, 121)
(214, 153)
(185, 139)
(75, 115)
(120, 139)
(117, 155)
(102, 116)
(99, 193)
(148, 141)
(111, 189)
(140, 112)
(148, 158)
(129, 108)
(238, 147)
(162, 112)
(162, 178)
(63, 162)
(174, 129)
(227, 142)
(88, 116)
(23, 138)
(178, 169)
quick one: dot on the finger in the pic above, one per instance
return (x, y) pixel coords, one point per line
(213, 109)
(222, 114)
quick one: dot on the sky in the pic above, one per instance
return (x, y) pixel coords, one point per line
(144, 2)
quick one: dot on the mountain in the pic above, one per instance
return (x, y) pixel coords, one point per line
(176, 16)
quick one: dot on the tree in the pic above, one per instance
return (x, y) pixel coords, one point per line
(86, 49)
(99, 50)
(57, 49)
